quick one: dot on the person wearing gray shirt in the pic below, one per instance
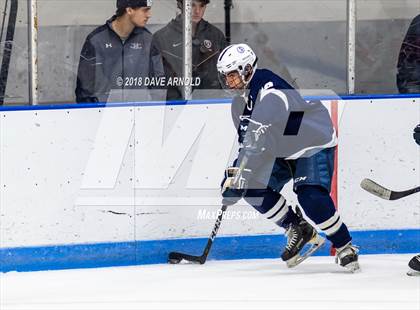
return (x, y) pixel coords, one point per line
(117, 56)
(207, 43)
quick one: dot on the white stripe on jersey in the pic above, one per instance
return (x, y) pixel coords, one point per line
(333, 142)
(279, 93)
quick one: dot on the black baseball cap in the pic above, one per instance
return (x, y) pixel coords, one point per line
(122, 4)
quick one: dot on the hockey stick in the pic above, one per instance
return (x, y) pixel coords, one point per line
(384, 193)
(176, 257)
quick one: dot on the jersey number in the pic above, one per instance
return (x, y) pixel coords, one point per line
(293, 123)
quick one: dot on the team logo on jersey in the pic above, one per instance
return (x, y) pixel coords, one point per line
(136, 46)
(240, 49)
(108, 45)
(207, 44)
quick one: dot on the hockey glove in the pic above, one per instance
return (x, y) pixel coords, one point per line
(416, 134)
(234, 186)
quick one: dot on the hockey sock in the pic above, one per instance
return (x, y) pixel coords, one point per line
(272, 205)
(319, 207)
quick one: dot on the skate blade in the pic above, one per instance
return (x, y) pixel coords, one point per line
(353, 267)
(316, 242)
(413, 273)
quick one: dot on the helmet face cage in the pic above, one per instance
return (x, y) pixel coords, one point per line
(238, 58)
(236, 90)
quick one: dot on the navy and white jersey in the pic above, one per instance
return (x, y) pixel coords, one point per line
(274, 120)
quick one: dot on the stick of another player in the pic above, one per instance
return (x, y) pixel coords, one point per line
(384, 193)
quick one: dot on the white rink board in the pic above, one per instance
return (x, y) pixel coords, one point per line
(376, 141)
(68, 176)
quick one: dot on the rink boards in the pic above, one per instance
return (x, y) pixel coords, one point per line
(89, 186)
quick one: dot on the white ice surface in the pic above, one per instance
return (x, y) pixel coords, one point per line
(248, 284)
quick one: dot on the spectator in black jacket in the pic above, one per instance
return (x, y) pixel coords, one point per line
(207, 43)
(118, 55)
(408, 76)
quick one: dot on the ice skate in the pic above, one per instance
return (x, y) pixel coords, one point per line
(414, 265)
(347, 257)
(299, 235)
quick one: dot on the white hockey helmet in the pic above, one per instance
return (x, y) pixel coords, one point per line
(240, 58)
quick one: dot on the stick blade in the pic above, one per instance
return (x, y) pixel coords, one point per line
(375, 189)
(176, 258)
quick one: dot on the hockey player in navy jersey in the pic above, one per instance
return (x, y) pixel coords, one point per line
(282, 138)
